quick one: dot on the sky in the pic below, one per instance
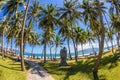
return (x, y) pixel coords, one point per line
(38, 49)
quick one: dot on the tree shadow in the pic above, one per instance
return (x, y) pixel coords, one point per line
(112, 59)
(12, 68)
(83, 67)
(14, 64)
(1, 73)
(38, 71)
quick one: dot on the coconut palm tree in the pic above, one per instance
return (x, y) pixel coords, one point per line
(99, 6)
(115, 24)
(51, 44)
(80, 37)
(11, 8)
(3, 29)
(33, 41)
(14, 27)
(93, 16)
(48, 22)
(70, 12)
(22, 37)
(46, 39)
(114, 12)
(48, 17)
(33, 12)
(110, 33)
(106, 37)
(90, 38)
(89, 12)
(57, 43)
(65, 31)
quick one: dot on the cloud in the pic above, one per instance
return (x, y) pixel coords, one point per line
(88, 46)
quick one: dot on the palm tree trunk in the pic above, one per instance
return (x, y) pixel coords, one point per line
(69, 49)
(118, 39)
(45, 53)
(11, 45)
(112, 46)
(22, 37)
(51, 53)
(32, 51)
(3, 45)
(82, 49)
(42, 53)
(101, 44)
(107, 44)
(92, 47)
(7, 45)
(55, 52)
(24, 46)
(117, 12)
(75, 49)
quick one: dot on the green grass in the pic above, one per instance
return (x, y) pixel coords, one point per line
(11, 70)
(109, 69)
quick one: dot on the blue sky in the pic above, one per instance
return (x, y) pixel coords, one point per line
(38, 49)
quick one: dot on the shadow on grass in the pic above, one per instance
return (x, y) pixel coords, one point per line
(84, 67)
(112, 59)
(1, 73)
(12, 68)
(81, 66)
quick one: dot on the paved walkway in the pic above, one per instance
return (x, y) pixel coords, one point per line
(36, 72)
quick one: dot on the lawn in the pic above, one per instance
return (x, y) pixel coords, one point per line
(82, 70)
(11, 70)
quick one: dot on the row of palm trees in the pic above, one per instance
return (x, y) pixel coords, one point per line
(58, 25)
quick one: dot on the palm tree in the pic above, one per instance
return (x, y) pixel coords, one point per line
(11, 8)
(115, 24)
(110, 33)
(51, 44)
(48, 17)
(33, 41)
(48, 22)
(70, 12)
(65, 31)
(3, 29)
(57, 43)
(33, 12)
(22, 37)
(80, 37)
(99, 6)
(90, 38)
(93, 17)
(46, 39)
(106, 37)
(114, 12)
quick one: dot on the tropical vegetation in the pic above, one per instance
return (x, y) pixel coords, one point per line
(60, 25)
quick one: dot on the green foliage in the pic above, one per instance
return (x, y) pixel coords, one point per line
(82, 70)
(11, 70)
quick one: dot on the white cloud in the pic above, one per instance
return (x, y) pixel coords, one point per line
(87, 46)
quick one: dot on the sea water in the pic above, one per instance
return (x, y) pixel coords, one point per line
(86, 51)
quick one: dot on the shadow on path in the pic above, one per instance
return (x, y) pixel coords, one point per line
(36, 72)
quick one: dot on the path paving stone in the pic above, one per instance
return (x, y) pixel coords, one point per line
(36, 72)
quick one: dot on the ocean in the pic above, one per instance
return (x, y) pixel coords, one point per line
(86, 51)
